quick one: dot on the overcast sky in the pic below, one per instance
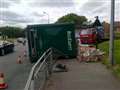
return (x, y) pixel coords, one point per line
(24, 12)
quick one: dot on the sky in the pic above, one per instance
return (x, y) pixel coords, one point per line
(24, 12)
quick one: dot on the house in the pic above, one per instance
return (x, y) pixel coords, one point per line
(107, 26)
(117, 26)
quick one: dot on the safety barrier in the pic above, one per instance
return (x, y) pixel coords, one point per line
(40, 71)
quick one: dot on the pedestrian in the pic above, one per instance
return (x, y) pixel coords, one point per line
(24, 43)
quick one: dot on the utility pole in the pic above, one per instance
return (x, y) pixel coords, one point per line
(48, 16)
(111, 44)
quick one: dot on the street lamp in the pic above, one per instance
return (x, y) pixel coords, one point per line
(111, 44)
(48, 16)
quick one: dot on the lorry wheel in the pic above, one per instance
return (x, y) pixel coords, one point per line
(3, 52)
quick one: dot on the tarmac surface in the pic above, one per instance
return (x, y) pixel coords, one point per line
(15, 74)
(83, 76)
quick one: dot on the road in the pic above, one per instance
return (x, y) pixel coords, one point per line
(15, 74)
(83, 76)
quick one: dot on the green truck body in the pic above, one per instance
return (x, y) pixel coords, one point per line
(43, 36)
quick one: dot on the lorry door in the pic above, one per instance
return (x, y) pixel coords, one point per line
(33, 38)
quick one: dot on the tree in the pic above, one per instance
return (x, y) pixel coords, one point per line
(72, 18)
(12, 32)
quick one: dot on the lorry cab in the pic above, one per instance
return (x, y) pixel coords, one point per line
(88, 36)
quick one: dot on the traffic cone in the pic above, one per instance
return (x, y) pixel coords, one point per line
(19, 61)
(3, 85)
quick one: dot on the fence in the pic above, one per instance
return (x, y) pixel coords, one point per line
(40, 71)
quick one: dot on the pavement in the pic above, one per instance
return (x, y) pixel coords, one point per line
(15, 74)
(83, 76)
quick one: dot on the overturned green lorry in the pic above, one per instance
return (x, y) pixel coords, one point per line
(43, 36)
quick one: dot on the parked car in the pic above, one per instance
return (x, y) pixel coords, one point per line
(88, 36)
(6, 47)
(21, 40)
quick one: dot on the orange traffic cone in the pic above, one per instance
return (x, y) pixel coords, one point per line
(19, 61)
(3, 85)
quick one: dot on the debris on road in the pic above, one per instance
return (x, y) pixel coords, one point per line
(89, 53)
(60, 68)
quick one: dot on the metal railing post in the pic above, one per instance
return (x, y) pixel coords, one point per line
(51, 62)
(46, 72)
(32, 85)
(45, 64)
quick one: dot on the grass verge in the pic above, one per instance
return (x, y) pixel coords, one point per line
(105, 47)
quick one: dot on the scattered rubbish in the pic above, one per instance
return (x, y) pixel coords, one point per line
(60, 68)
(89, 53)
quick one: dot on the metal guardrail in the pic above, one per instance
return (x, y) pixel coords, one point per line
(40, 71)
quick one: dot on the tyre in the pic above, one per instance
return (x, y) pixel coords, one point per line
(3, 52)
